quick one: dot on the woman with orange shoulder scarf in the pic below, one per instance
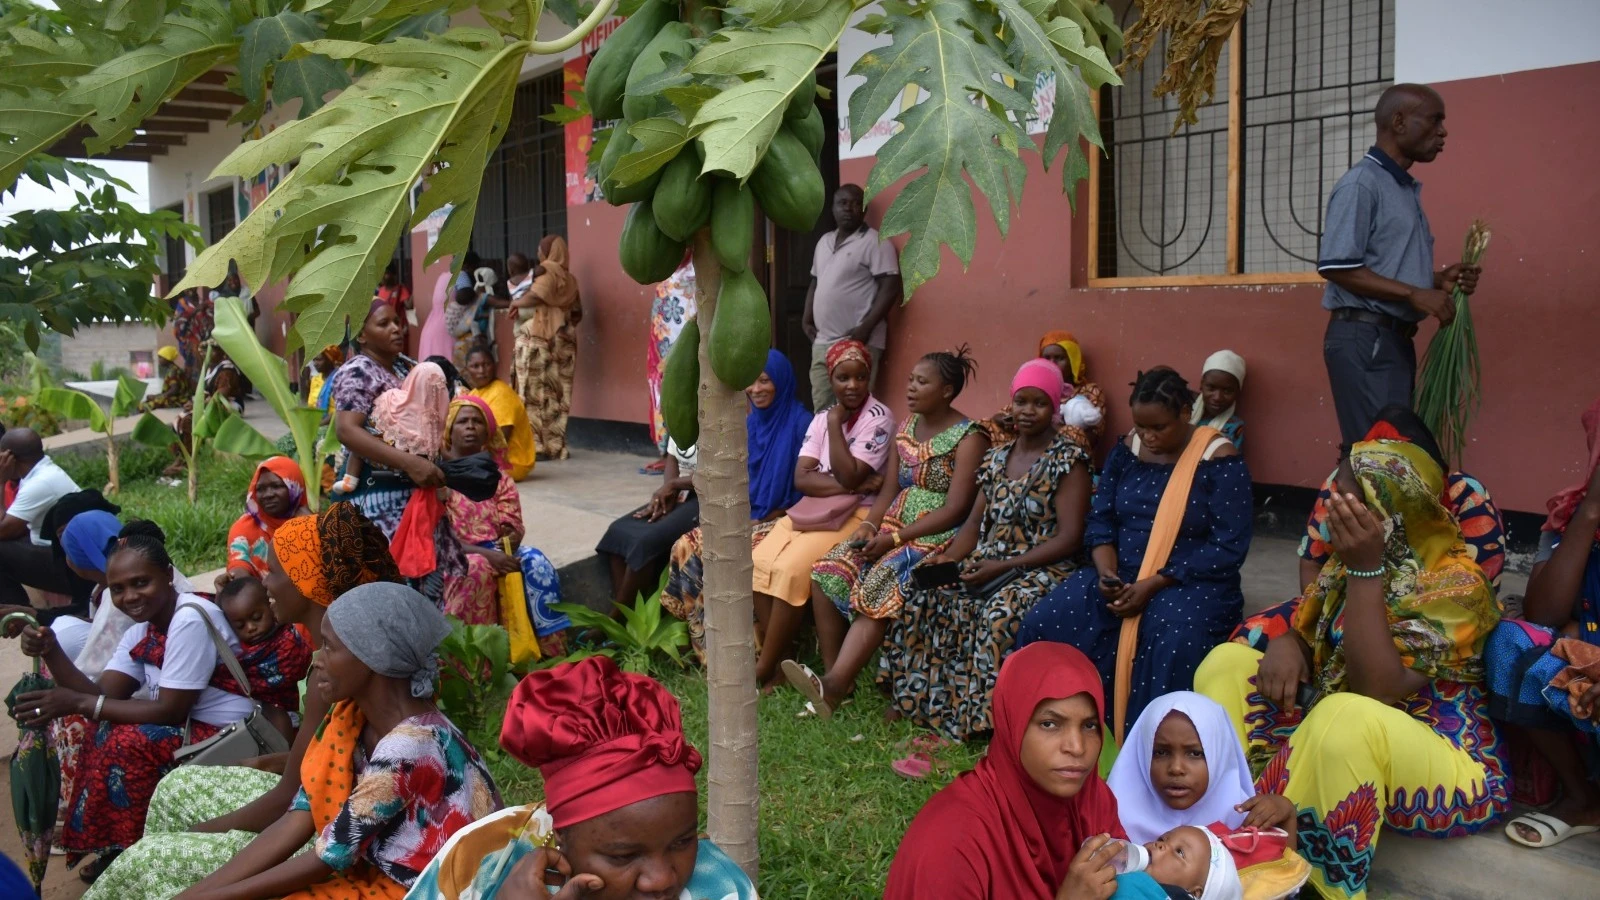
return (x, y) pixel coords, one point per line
(548, 314)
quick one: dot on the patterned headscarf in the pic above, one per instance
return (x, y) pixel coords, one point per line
(328, 554)
(1441, 607)
(1067, 342)
(848, 350)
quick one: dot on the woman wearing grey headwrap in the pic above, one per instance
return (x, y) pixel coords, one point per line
(387, 775)
(393, 630)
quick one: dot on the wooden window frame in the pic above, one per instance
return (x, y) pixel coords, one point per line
(1235, 148)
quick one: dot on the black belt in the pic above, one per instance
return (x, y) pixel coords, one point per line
(1351, 314)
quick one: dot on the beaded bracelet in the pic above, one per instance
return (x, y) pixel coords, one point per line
(1365, 573)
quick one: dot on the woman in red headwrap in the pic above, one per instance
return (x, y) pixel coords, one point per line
(1027, 822)
(617, 773)
(277, 493)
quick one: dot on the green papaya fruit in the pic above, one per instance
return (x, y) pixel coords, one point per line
(811, 131)
(680, 386)
(608, 71)
(682, 201)
(802, 99)
(621, 144)
(733, 223)
(672, 38)
(741, 331)
(647, 255)
(788, 184)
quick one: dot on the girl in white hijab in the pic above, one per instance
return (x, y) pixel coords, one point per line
(1221, 381)
(1182, 765)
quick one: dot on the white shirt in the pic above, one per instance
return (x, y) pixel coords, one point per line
(188, 664)
(37, 492)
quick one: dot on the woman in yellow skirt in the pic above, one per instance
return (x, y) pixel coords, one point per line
(1371, 710)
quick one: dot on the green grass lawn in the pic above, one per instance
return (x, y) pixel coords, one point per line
(197, 534)
(832, 811)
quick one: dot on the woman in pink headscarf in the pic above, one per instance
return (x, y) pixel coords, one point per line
(942, 655)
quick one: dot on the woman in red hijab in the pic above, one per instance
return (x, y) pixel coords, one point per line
(1026, 823)
(620, 813)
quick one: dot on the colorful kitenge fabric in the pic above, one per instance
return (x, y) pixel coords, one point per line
(673, 306)
(942, 654)
(170, 859)
(1183, 621)
(275, 665)
(1482, 526)
(683, 595)
(479, 858)
(191, 326)
(1441, 607)
(421, 783)
(1432, 766)
(474, 595)
(177, 388)
(856, 584)
(251, 533)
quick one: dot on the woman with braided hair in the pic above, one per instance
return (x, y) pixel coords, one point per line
(1168, 529)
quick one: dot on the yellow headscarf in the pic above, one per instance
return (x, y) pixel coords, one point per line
(1441, 606)
(1067, 342)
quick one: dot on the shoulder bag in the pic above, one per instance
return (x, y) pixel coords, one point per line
(254, 736)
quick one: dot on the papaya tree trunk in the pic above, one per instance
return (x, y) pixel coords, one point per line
(722, 482)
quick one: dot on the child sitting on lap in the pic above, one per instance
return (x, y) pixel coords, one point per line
(409, 418)
(275, 657)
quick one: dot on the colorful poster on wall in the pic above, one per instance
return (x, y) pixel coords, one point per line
(582, 187)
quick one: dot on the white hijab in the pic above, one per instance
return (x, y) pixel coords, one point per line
(1144, 813)
(1220, 361)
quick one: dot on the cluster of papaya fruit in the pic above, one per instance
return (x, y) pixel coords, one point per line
(679, 199)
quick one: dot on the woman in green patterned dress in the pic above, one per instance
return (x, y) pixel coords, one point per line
(857, 589)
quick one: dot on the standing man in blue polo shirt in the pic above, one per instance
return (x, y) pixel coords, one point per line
(1377, 255)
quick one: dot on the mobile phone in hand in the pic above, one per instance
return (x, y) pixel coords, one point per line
(936, 576)
(1111, 582)
(857, 544)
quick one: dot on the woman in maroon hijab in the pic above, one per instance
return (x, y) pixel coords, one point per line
(1027, 821)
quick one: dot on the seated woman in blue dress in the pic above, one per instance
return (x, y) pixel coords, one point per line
(1531, 662)
(1190, 601)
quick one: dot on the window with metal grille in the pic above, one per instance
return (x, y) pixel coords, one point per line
(524, 195)
(220, 216)
(1239, 196)
(175, 253)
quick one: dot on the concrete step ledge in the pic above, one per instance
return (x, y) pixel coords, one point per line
(1486, 866)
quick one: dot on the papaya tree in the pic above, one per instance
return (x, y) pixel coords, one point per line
(715, 110)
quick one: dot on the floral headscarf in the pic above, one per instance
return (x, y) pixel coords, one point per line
(848, 350)
(1441, 607)
(496, 440)
(293, 479)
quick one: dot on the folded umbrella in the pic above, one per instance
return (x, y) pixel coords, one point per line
(35, 775)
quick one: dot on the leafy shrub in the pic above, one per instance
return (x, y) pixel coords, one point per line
(635, 642)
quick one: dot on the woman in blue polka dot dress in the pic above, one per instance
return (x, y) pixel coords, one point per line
(1192, 603)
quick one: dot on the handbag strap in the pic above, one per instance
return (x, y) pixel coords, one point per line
(223, 650)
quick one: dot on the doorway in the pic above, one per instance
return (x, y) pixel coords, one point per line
(789, 253)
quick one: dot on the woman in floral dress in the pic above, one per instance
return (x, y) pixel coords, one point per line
(944, 650)
(474, 597)
(858, 588)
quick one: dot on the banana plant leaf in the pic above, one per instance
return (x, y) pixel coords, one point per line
(35, 778)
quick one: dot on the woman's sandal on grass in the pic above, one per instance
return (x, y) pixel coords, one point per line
(806, 682)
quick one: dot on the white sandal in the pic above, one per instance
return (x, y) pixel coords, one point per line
(1551, 830)
(806, 682)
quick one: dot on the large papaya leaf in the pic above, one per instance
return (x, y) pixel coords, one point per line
(1038, 41)
(949, 49)
(770, 65)
(775, 12)
(660, 140)
(30, 121)
(433, 108)
(125, 91)
(261, 58)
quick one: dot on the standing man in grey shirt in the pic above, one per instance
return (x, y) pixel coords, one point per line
(1377, 256)
(855, 278)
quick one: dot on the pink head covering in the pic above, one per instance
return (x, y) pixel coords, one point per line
(1042, 374)
(411, 416)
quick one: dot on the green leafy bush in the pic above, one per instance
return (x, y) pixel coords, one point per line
(642, 635)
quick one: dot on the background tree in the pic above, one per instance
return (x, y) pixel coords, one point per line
(390, 96)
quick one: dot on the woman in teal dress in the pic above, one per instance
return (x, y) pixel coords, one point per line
(860, 585)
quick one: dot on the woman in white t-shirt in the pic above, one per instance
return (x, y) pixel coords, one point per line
(167, 654)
